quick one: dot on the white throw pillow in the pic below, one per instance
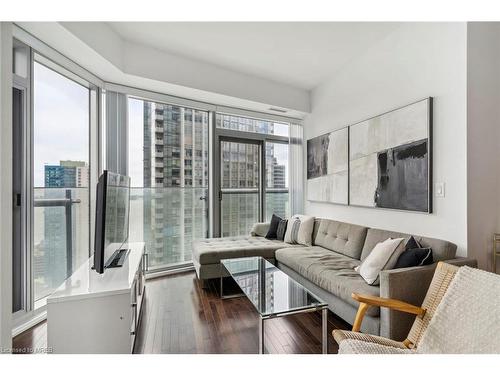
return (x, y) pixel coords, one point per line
(383, 257)
(299, 230)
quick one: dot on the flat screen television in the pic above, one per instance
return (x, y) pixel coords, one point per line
(112, 220)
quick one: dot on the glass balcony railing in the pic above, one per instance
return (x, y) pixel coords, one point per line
(277, 202)
(239, 211)
(168, 220)
(60, 236)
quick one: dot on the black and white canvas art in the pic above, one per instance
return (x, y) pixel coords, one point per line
(327, 167)
(317, 156)
(389, 159)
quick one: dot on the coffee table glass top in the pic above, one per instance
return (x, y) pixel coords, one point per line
(269, 289)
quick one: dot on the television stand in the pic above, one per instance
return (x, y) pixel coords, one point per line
(99, 312)
(117, 259)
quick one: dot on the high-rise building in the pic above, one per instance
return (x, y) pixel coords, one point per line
(68, 173)
(176, 171)
(81, 171)
(176, 180)
(57, 176)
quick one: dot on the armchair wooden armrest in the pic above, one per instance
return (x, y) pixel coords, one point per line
(365, 301)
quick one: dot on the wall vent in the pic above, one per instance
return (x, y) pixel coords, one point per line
(280, 110)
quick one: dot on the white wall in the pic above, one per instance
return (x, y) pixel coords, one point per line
(483, 136)
(5, 185)
(415, 61)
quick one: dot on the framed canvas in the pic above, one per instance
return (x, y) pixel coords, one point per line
(327, 167)
(390, 159)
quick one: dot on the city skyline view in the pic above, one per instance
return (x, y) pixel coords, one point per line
(171, 168)
(168, 167)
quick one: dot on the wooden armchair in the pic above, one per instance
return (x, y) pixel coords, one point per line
(442, 278)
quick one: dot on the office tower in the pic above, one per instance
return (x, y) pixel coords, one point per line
(176, 180)
(176, 173)
(68, 174)
(58, 176)
(81, 171)
(276, 200)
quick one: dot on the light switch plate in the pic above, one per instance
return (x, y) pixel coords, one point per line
(439, 189)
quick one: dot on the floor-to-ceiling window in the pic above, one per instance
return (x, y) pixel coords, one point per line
(60, 170)
(168, 166)
(54, 153)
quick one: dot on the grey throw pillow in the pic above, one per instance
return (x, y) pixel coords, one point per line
(280, 232)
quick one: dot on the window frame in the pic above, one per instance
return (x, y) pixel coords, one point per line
(41, 53)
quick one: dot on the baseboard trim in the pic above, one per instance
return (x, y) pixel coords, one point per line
(33, 321)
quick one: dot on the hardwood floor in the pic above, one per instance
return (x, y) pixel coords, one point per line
(180, 316)
(32, 341)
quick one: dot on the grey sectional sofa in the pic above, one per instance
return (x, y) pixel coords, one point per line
(327, 268)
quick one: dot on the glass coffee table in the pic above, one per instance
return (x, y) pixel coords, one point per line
(273, 293)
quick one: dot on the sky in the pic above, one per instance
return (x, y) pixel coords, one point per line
(61, 121)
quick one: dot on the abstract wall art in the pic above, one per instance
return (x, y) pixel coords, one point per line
(390, 159)
(327, 167)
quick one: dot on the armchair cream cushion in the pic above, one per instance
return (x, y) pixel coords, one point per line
(467, 321)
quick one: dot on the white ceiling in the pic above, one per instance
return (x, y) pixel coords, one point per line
(300, 54)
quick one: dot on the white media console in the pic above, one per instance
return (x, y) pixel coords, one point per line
(98, 313)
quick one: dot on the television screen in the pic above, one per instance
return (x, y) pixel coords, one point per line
(117, 210)
(112, 216)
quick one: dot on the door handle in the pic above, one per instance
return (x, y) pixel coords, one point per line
(17, 200)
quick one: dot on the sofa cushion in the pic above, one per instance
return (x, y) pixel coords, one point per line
(212, 250)
(383, 257)
(260, 229)
(329, 270)
(340, 237)
(299, 230)
(441, 249)
(414, 258)
(273, 227)
(280, 232)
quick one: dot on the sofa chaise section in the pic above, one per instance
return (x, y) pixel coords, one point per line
(208, 253)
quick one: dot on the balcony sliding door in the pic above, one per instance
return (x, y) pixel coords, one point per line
(251, 173)
(240, 178)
